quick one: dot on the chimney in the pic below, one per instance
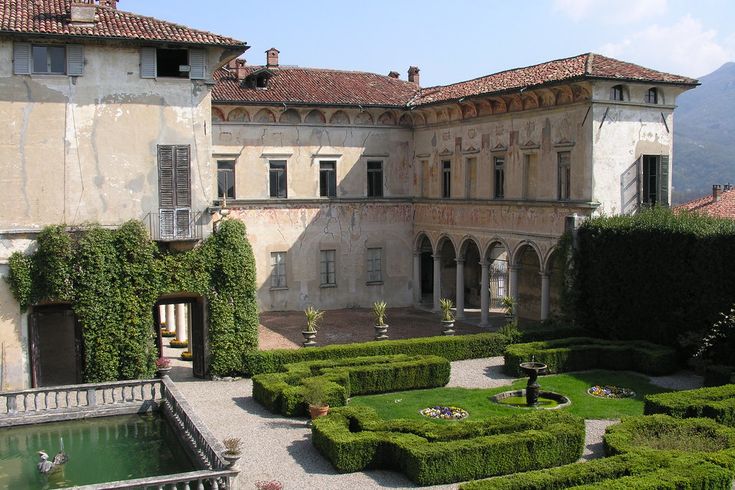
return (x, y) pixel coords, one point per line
(413, 74)
(394, 74)
(109, 3)
(728, 187)
(272, 57)
(716, 192)
(82, 12)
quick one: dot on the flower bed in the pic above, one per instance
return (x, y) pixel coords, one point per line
(610, 391)
(444, 413)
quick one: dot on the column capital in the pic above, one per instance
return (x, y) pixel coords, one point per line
(460, 260)
(544, 274)
(485, 263)
(514, 267)
(437, 257)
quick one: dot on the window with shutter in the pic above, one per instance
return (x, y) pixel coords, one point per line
(22, 58)
(663, 181)
(148, 63)
(183, 177)
(174, 191)
(74, 60)
(197, 64)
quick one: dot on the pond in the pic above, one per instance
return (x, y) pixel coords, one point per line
(99, 449)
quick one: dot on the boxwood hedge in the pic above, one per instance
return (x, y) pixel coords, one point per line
(342, 378)
(581, 353)
(636, 471)
(716, 403)
(354, 438)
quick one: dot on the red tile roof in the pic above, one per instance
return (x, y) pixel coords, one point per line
(722, 208)
(51, 17)
(321, 86)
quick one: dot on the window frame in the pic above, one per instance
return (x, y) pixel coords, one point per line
(375, 181)
(374, 274)
(57, 48)
(224, 171)
(331, 178)
(648, 178)
(279, 277)
(617, 93)
(446, 179)
(651, 93)
(563, 175)
(277, 171)
(499, 177)
(327, 274)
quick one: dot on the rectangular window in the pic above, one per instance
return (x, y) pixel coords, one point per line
(49, 59)
(173, 63)
(375, 265)
(328, 178)
(277, 178)
(278, 270)
(470, 177)
(650, 180)
(446, 179)
(226, 179)
(174, 191)
(327, 268)
(499, 165)
(564, 176)
(375, 179)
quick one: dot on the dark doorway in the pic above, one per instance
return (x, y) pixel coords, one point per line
(56, 346)
(196, 334)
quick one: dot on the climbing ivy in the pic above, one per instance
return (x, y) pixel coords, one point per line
(112, 279)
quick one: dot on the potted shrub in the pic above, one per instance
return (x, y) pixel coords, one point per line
(233, 450)
(509, 305)
(381, 328)
(163, 366)
(315, 396)
(447, 316)
(313, 317)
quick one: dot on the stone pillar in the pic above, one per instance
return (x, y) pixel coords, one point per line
(189, 324)
(162, 315)
(182, 326)
(513, 280)
(171, 317)
(437, 281)
(460, 288)
(416, 278)
(545, 293)
(484, 292)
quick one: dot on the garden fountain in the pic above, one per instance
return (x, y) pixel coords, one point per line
(532, 369)
(534, 397)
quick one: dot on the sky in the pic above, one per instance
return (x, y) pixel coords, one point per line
(457, 40)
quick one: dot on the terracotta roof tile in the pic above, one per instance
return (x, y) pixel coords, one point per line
(722, 208)
(51, 17)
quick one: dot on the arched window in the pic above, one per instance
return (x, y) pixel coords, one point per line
(616, 93)
(652, 96)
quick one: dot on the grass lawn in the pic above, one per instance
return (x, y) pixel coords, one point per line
(406, 404)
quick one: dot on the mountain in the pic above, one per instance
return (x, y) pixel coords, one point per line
(704, 135)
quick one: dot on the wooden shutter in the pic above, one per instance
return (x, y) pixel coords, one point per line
(630, 194)
(663, 180)
(166, 223)
(148, 63)
(166, 190)
(74, 60)
(183, 177)
(22, 58)
(183, 223)
(197, 64)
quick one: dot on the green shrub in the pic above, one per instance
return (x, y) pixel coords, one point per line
(718, 375)
(718, 343)
(663, 432)
(550, 330)
(716, 403)
(339, 379)
(637, 471)
(354, 439)
(452, 348)
(582, 353)
(630, 281)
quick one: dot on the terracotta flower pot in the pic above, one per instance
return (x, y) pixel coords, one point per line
(317, 411)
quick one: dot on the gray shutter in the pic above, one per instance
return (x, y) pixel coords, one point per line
(663, 180)
(148, 63)
(74, 60)
(183, 223)
(629, 189)
(166, 177)
(166, 223)
(639, 180)
(197, 64)
(183, 177)
(22, 58)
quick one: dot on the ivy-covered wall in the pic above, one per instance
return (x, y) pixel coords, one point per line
(113, 278)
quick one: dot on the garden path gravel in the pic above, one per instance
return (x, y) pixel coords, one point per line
(280, 448)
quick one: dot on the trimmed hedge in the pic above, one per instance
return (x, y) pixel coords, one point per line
(636, 471)
(451, 348)
(718, 375)
(716, 403)
(582, 353)
(625, 437)
(354, 439)
(284, 392)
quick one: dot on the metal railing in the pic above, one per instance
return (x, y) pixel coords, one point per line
(171, 225)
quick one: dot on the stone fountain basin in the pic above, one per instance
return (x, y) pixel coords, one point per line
(533, 366)
(562, 400)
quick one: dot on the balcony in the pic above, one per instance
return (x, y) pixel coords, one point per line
(175, 225)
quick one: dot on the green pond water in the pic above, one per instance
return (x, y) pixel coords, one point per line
(100, 450)
(520, 401)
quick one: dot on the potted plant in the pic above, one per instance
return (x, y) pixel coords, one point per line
(315, 396)
(163, 366)
(381, 328)
(313, 317)
(268, 485)
(509, 305)
(233, 450)
(447, 316)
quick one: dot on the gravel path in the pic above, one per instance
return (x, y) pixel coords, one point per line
(280, 448)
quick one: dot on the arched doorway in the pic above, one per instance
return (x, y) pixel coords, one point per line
(529, 282)
(181, 330)
(447, 272)
(469, 277)
(497, 260)
(425, 254)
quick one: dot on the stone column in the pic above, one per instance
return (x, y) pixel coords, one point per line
(460, 288)
(437, 281)
(484, 292)
(416, 278)
(545, 293)
(182, 326)
(189, 323)
(170, 317)
(513, 280)
(162, 315)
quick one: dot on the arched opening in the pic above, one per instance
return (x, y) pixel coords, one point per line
(529, 282)
(387, 119)
(497, 260)
(264, 116)
(181, 333)
(472, 273)
(290, 116)
(447, 270)
(363, 119)
(315, 117)
(238, 115)
(339, 117)
(426, 270)
(217, 115)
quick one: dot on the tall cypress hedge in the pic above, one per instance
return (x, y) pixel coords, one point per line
(112, 279)
(658, 276)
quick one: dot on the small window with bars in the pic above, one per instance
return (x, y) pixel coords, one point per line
(278, 270)
(375, 265)
(327, 268)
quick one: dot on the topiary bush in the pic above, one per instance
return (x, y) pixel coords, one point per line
(582, 353)
(718, 344)
(339, 379)
(717, 403)
(354, 439)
